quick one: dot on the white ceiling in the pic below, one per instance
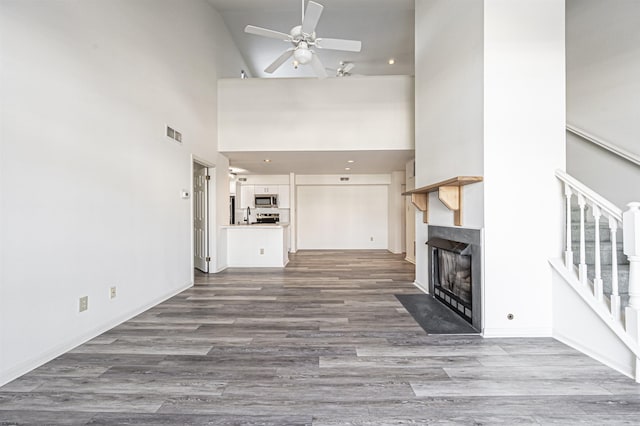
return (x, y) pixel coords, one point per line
(386, 29)
(319, 162)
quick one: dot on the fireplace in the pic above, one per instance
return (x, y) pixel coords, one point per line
(454, 273)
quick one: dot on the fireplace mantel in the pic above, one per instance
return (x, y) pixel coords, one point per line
(449, 192)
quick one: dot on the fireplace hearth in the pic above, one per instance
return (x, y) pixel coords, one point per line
(454, 273)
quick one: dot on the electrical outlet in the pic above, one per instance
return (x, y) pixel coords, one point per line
(261, 251)
(112, 292)
(84, 303)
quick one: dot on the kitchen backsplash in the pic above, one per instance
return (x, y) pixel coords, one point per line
(241, 214)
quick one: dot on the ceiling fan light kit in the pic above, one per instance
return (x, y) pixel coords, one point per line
(303, 38)
(302, 53)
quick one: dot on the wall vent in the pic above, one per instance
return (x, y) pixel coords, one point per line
(344, 179)
(174, 134)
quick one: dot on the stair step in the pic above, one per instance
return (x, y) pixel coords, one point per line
(623, 278)
(605, 253)
(590, 232)
(575, 212)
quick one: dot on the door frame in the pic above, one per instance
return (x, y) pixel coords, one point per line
(211, 210)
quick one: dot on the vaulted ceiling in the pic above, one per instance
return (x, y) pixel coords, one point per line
(386, 29)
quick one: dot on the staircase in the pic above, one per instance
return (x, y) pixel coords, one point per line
(596, 287)
(606, 254)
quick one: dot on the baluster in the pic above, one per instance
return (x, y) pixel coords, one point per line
(582, 267)
(615, 295)
(597, 280)
(568, 254)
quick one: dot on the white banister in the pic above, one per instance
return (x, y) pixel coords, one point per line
(582, 267)
(616, 307)
(629, 222)
(601, 209)
(606, 206)
(568, 254)
(597, 280)
(631, 246)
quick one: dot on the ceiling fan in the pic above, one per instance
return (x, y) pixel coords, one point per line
(303, 38)
(344, 70)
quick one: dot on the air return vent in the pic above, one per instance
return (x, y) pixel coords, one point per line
(174, 134)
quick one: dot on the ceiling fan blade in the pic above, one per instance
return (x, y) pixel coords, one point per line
(266, 33)
(339, 44)
(281, 60)
(348, 67)
(311, 17)
(318, 68)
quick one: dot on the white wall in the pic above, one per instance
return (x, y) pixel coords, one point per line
(603, 64)
(396, 212)
(615, 178)
(335, 114)
(449, 102)
(222, 211)
(490, 101)
(524, 143)
(410, 213)
(577, 324)
(342, 216)
(266, 179)
(90, 186)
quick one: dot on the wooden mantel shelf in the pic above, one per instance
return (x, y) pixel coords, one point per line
(449, 193)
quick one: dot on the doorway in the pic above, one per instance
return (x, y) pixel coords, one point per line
(201, 255)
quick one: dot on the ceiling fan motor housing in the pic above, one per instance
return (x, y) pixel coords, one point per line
(297, 35)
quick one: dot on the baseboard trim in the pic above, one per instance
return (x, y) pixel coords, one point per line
(627, 370)
(421, 287)
(410, 260)
(491, 333)
(62, 348)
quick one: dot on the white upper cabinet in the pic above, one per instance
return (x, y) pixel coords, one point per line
(283, 196)
(248, 193)
(247, 196)
(261, 189)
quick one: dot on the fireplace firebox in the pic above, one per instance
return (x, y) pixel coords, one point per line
(455, 270)
(452, 275)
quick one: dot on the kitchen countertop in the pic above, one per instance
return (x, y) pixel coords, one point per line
(257, 226)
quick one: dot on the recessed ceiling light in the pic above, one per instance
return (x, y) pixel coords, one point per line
(266, 160)
(347, 168)
(392, 61)
(350, 161)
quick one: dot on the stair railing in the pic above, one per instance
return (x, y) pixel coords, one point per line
(629, 223)
(602, 210)
(631, 244)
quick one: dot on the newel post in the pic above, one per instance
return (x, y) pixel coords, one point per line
(631, 245)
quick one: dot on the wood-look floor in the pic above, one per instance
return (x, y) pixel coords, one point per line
(322, 342)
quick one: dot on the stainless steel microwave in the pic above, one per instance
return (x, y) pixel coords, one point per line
(266, 200)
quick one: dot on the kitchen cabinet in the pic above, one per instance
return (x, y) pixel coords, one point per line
(247, 196)
(283, 196)
(261, 189)
(257, 246)
(248, 193)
